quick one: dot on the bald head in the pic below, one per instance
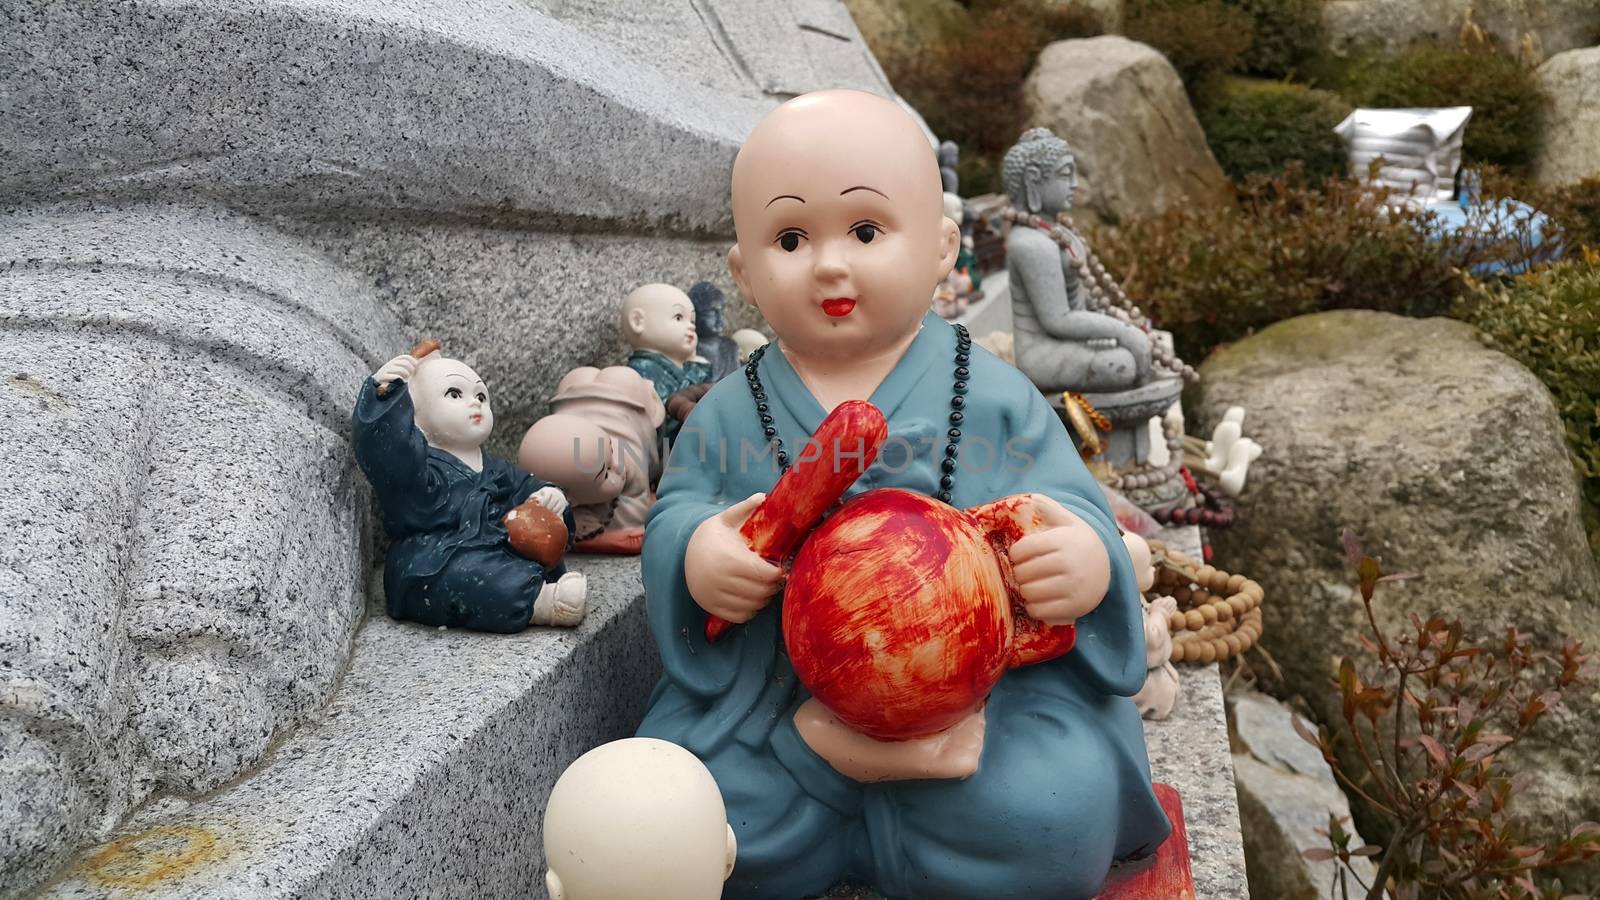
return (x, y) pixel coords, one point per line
(660, 317)
(839, 211)
(839, 129)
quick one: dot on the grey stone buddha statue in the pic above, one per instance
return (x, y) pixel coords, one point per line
(718, 349)
(1061, 343)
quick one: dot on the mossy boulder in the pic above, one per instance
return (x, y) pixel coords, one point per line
(1448, 458)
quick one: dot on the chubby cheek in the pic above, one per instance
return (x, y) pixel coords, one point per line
(784, 286)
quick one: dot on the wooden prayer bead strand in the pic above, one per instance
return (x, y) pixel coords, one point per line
(1219, 612)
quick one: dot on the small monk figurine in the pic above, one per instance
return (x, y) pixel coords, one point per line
(658, 321)
(840, 241)
(599, 445)
(419, 428)
(1061, 344)
(717, 349)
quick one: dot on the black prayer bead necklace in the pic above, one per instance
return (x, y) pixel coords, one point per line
(958, 402)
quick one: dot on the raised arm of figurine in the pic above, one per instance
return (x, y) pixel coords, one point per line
(389, 447)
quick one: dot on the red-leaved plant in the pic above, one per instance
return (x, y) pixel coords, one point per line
(1430, 724)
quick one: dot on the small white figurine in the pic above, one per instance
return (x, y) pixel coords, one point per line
(1160, 692)
(748, 340)
(1240, 456)
(1159, 454)
(637, 819)
(1229, 453)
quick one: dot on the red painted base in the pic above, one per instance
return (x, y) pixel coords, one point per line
(1165, 876)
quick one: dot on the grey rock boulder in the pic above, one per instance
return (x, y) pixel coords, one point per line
(1547, 27)
(1123, 109)
(1571, 148)
(1449, 459)
(1286, 793)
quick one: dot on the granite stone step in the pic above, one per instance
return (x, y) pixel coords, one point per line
(427, 774)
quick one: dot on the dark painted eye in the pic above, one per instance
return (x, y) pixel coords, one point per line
(453, 393)
(789, 241)
(865, 233)
(482, 397)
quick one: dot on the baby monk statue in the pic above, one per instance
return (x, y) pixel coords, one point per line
(841, 239)
(658, 322)
(599, 446)
(419, 428)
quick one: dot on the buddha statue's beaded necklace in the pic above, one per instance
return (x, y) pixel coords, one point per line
(1105, 295)
(958, 403)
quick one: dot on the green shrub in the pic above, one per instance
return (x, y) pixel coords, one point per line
(1549, 320)
(1507, 102)
(1203, 39)
(968, 83)
(1259, 127)
(1579, 207)
(1288, 35)
(1216, 275)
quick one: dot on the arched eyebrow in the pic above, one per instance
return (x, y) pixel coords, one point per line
(785, 197)
(862, 187)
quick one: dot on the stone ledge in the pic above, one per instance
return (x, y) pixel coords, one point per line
(440, 746)
(436, 750)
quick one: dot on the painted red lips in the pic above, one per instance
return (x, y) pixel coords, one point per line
(838, 306)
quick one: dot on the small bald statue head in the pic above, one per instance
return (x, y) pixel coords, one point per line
(577, 456)
(839, 212)
(637, 819)
(451, 404)
(660, 317)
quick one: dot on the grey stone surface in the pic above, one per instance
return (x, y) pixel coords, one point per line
(1544, 27)
(266, 200)
(426, 776)
(522, 307)
(1122, 107)
(1570, 151)
(566, 111)
(1189, 750)
(1286, 793)
(1450, 461)
(182, 525)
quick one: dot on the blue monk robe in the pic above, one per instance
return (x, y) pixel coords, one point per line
(667, 377)
(449, 561)
(1063, 788)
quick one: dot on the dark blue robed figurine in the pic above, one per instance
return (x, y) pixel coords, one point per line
(419, 428)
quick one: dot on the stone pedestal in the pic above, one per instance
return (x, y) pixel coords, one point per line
(1127, 445)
